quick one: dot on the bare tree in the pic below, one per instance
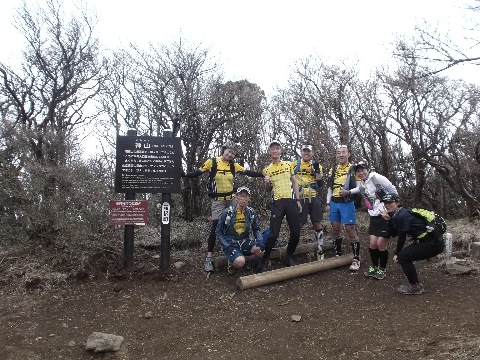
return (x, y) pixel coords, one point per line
(179, 87)
(439, 51)
(318, 106)
(45, 103)
(371, 128)
(427, 113)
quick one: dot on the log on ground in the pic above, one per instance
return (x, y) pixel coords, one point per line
(269, 277)
(221, 261)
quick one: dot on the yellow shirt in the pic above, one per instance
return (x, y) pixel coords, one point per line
(280, 178)
(305, 177)
(341, 174)
(240, 225)
(223, 180)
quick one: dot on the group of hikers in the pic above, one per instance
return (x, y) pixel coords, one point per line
(295, 187)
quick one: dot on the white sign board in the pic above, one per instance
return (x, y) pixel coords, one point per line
(165, 213)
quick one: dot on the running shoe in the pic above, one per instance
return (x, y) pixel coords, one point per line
(209, 265)
(355, 265)
(410, 290)
(371, 271)
(380, 274)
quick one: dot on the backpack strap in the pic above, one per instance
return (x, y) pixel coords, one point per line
(297, 168)
(376, 183)
(213, 169)
(228, 218)
(331, 179)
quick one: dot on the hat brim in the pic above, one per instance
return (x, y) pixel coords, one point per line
(360, 167)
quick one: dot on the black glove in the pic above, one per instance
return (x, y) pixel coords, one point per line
(316, 167)
(183, 174)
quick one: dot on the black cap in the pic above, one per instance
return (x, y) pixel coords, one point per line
(361, 165)
(391, 197)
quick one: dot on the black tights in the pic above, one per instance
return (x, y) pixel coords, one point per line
(420, 250)
(212, 238)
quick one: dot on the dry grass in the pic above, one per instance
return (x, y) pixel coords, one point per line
(43, 266)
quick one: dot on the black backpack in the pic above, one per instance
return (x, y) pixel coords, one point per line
(434, 222)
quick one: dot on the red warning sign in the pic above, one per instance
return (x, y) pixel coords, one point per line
(128, 212)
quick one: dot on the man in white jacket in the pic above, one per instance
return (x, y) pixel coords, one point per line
(373, 187)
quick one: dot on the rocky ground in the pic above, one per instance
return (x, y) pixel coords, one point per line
(332, 314)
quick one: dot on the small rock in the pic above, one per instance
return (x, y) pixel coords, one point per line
(179, 265)
(149, 272)
(173, 278)
(101, 342)
(148, 315)
(475, 250)
(117, 288)
(457, 269)
(71, 343)
(296, 318)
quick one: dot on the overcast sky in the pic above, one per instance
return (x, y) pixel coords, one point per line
(259, 40)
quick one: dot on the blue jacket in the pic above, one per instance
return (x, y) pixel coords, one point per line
(226, 233)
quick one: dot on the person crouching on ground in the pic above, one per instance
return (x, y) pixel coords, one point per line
(222, 172)
(425, 244)
(373, 187)
(233, 231)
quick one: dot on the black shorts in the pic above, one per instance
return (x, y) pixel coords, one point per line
(380, 227)
(312, 206)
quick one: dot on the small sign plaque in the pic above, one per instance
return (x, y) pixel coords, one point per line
(165, 213)
(128, 212)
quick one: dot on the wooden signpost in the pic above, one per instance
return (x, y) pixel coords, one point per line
(146, 164)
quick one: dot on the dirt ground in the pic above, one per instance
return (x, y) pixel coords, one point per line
(184, 315)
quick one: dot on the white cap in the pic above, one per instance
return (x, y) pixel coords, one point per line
(243, 188)
(307, 146)
(274, 142)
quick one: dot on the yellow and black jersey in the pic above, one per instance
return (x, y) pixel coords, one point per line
(280, 175)
(240, 224)
(341, 174)
(306, 178)
(222, 182)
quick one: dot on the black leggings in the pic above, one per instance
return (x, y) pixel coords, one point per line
(212, 237)
(420, 250)
(283, 208)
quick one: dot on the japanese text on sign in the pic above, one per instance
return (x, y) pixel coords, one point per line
(165, 213)
(128, 212)
(148, 164)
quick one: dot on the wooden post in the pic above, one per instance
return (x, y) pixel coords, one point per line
(268, 277)
(129, 231)
(165, 225)
(221, 261)
(447, 237)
